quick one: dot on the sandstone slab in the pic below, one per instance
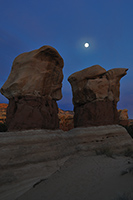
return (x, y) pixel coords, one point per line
(27, 157)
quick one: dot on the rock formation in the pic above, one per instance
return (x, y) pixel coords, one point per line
(66, 118)
(95, 95)
(33, 87)
(27, 157)
(3, 107)
(123, 117)
(123, 114)
(66, 121)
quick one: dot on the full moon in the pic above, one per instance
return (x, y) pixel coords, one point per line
(86, 45)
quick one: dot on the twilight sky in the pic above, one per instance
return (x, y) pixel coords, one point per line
(66, 25)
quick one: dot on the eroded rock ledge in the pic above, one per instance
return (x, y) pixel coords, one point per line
(30, 156)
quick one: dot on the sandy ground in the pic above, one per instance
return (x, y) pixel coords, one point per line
(85, 177)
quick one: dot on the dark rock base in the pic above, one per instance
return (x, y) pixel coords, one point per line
(31, 112)
(96, 114)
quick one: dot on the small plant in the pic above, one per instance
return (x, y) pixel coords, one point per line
(3, 127)
(104, 151)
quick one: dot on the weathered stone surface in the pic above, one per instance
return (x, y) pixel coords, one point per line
(32, 113)
(66, 118)
(96, 84)
(123, 117)
(32, 88)
(3, 107)
(95, 95)
(36, 73)
(88, 73)
(96, 113)
(27, 157)
(66, 121)
(123, 114)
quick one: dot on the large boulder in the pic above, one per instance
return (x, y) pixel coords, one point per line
(33, 87)
(95, 95)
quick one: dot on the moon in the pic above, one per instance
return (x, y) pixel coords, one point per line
(86, 45)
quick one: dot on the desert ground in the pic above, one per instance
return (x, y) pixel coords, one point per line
(83, 163)
(88, 178)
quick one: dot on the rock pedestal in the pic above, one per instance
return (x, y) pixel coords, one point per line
(95, 95)
(96, 113)
(33, 87)
(32, 113)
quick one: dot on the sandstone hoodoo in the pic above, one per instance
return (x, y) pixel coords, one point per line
(3, 107)
(95, 95)
(123, 117)
(66, 120)
(33, 87)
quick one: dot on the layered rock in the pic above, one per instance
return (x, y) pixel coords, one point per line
(27, 157)
(95, 95)
(66, 118)
(33, 87)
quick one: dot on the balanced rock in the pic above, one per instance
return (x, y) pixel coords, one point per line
(95, 95)
(33, 87)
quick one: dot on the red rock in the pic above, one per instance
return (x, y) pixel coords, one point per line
(124, 122)
(35, 73)
(66, 121)
(123, 114)
(33, 87)
(123, 117)
(96, 114)
(3, 107)
(32, 113)
(95, 95)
